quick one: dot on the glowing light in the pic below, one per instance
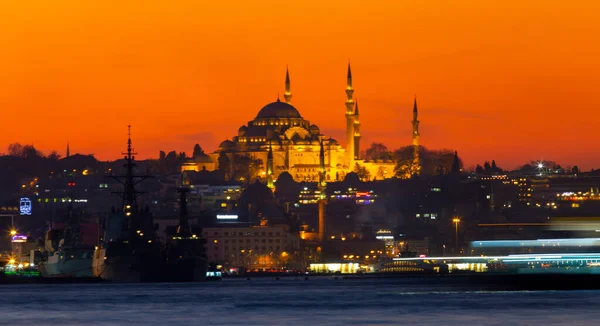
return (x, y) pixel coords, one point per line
(13, 232)
(456, 220)
(25, 206)
(18, 238)
(227, 217)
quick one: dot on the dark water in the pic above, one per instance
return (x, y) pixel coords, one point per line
(292, 302)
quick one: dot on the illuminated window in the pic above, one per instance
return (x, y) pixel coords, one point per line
(575, 205)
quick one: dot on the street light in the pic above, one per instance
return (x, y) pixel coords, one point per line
(456, 220)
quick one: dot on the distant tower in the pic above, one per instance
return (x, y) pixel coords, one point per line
(350, 118)
(288, 93)
(68, 150)
(356, 133)
(455, 164)
(270, 168)
(322, 195)
(416, 164)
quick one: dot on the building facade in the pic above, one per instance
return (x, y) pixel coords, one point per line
(294, 143)
(264, 247)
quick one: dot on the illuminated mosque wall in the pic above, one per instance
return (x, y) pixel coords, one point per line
(295, 143)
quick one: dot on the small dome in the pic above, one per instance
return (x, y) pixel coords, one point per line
(314, 130)
(226, 144)
(333, 142)
(242, 128)
(278, 110)
(203, 158)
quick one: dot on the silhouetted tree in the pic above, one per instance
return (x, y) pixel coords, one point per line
(54, 156)
(487, 167)
(287, 189)
(198, 151)
(362, 172)
(247, 167)
(351, 180)
(455, 164)
(575, 169)
(23, 151)
(224, 164)
(381, 173)
(377, 151)
(479, 169)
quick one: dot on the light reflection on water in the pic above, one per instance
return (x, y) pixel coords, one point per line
(291, 301)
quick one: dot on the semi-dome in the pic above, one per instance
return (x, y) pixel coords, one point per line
(278, 110)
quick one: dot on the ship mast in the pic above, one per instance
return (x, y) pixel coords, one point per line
(134, 220)
(70, 238)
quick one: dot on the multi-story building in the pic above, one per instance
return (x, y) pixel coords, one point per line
(260, 247)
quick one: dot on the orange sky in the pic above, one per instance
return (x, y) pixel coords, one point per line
(505, 80)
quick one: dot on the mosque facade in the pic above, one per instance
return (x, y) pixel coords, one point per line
(287, 142)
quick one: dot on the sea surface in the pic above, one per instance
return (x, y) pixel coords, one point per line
(292, 301)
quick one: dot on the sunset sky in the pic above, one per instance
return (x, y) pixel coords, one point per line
(507, 80)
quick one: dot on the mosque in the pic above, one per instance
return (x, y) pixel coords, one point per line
(286, 142)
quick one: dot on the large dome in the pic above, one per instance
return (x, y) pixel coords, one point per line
(278, 110)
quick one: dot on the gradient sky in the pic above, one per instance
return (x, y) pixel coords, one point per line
(507, 80)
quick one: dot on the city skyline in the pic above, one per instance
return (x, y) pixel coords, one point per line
(511, 82)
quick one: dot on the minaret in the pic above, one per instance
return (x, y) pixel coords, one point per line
(183, 230)
(270, 168)
(356, 133)
(350, 117)
(68, 150)
(416, 164)
(288, 93)
(322, 195)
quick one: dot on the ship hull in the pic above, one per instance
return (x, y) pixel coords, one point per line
(68, 263)
(187, 270)
(127, 268)
(70, 268)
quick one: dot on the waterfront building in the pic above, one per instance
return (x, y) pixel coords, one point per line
(258, 247)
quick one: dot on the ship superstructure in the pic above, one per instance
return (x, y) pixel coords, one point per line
(71, 258)
(129, 250)
(185, 257)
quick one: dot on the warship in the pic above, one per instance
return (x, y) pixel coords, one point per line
(129, 251)
(71, 258)
(185, 256)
